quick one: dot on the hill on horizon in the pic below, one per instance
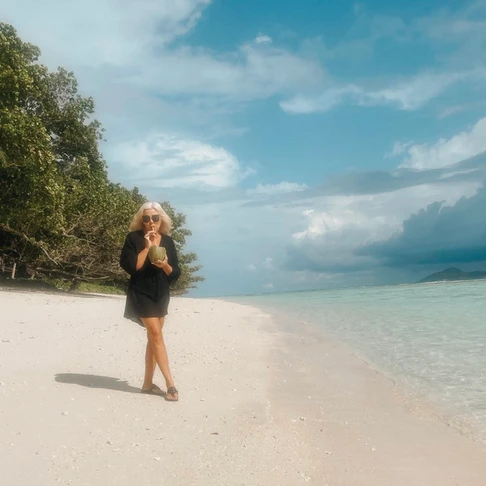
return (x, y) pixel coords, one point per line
(453, 274)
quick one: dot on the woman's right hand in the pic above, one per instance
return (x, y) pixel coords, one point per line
(150, 239)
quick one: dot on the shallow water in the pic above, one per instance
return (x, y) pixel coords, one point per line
(430, 338)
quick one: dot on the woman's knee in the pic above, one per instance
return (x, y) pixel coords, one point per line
(154, 335)
(155, 338)
(153, 329)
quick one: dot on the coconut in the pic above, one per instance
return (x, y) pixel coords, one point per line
(156, 253)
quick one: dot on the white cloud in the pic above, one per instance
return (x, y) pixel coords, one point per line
(330, 98)
(267, 263)
(399, 148)
(143, 82)
(263, 39)
(268, 286)
(130, 44)
(357, 212)
(330, 237)
(252, 72)
(446, 152)
(328, 232)
(451, 110)
(168, 161)
(93, 33)
(426, 237)
(456, 37)
(467, 24)
(273, 189)
(407, 95)
(415, 92)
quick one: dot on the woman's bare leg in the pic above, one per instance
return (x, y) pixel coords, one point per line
(156, 341)
(150, 363)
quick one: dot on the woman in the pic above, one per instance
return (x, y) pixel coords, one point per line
(148, 289)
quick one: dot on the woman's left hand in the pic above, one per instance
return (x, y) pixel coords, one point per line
(161, 263)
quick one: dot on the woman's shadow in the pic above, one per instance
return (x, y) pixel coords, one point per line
(96, 381)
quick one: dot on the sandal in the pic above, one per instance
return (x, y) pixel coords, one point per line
(155, 390)
(172, 391)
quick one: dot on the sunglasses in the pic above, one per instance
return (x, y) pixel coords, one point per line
(155, 218)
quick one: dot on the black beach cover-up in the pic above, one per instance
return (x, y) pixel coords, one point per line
(148, 289)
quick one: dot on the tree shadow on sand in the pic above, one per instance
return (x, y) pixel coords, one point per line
(96, 381)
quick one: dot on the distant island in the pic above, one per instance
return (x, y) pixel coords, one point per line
(453, 274)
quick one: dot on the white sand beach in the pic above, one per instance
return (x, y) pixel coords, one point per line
(258, 405)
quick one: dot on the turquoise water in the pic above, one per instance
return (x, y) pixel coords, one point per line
(430, 338)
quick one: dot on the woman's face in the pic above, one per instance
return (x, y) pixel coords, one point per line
(151, 220)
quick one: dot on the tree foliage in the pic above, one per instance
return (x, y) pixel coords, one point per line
(59, 213)
(189, 271)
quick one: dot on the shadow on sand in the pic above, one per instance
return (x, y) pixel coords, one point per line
(95, 381)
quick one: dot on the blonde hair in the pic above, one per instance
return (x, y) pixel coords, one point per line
(165, 221)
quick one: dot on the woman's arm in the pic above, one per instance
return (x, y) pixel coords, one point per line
(141, 257)
(128, 257)
(149, 239)
(171, 267)
(131, 260)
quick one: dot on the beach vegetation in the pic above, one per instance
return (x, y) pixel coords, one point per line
(61, 218)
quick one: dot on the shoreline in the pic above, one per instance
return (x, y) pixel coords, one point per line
(413, 397)
(410, 405)
(259, 403)
(365, 400)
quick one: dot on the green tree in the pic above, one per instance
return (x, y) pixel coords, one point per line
(59, 213)
(189, 272)
(31, 193)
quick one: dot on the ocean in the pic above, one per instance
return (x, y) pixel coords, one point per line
(429, 338)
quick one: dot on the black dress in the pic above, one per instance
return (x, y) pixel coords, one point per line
(148, 289)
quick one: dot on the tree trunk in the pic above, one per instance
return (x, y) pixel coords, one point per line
(74, 285)
(13, 270)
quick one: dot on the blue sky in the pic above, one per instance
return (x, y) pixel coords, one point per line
(311, 144)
